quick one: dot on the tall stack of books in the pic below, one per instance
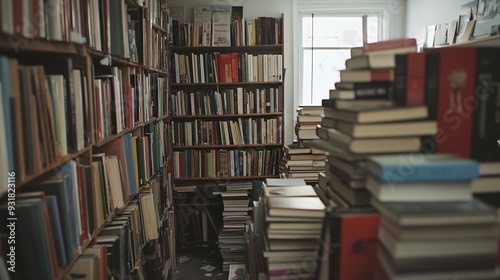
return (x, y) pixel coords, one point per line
(431, 227)
(362, 119)
(290, 218)
(231, 237)
(300, 159)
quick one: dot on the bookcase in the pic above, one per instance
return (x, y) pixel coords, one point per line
(227, 111)
(85, 118)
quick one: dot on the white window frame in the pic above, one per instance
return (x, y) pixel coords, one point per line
(339, 8)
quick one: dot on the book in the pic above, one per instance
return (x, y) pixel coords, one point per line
(310, 207)
(393, 129)
(398, 45)
(437, 191)
(353, 243)
(457, 81)
(300, 191)
(366, 75)
(422, 167)
(284, 182)
(400, 249)
(470, 212)
(359, 115)
(369, 145)
(409, 79)
(354, 104)
(379, 61)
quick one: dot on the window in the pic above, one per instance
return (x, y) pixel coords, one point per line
(327, 33)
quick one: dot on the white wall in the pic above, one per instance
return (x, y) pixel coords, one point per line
(421, 13)
(274, 8)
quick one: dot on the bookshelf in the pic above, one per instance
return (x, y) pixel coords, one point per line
(86, 114)
(227, 115)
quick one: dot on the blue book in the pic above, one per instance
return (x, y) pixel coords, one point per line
(420, 167)
(129, 164)
(55, 223)
(5, 79)
(71, 187)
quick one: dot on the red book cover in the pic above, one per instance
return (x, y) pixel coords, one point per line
(415, 83)
(234, 67)
(390, 44)
(457, 74)
(356, 236)
(226, 68)
(382, 75)
(181, 164)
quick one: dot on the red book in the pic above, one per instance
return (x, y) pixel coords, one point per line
(181, 164)
(17, 8)
(466, 99)
(234, 67)
(415, 79)
(390, 44)
(356, 236)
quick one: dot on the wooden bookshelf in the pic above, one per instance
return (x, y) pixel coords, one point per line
(53, 76)
(490, 41)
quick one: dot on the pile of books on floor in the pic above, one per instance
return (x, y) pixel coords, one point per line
(431, 226)
(300, 159)
(289, 216)
(231, 237)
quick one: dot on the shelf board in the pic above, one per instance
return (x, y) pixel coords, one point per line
(223, 178)
(127, 130)
(115, 61)
(159, 71)
(490, 41)
(31, 177)
(252, 49)
(249, 115)
(225, 84)
(16, 44)
(192, 147)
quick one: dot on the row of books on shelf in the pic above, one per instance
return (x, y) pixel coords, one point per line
(232, 132)
(60, 213)
(124, 99)
(228, 101)
(44, 113)
(222, 31)
(226, 163)
(227, 67)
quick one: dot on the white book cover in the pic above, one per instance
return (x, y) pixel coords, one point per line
(202, 13)
(221, 25)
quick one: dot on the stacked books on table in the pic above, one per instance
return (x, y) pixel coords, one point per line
(231, 237)
(289, 216)
(431, 226)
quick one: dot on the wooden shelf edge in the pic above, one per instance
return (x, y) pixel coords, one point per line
(274, 114)
(127, 130)
(226, 84)
(31, 177)
(16, 43)
(489, 41)
(235, 146)
(276, 47)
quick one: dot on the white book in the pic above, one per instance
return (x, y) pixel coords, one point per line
(250, 67)
(221, 23)
(280, 67)
(58, 86)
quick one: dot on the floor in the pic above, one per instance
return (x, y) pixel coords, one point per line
(199, 262)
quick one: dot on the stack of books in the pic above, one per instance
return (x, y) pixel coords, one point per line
(231, 237)
(431, 226)
(361, 119)
(361, 132)
(300, 159)
(302, 162)
(290, 217)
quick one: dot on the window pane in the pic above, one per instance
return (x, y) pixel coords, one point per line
(326, 66)
(372, 32)
(332, 31)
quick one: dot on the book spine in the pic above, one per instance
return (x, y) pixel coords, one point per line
(415, 79)
(432, 83)
(400, 79)
(486, 123)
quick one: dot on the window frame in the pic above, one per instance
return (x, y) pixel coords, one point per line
(302, 8)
